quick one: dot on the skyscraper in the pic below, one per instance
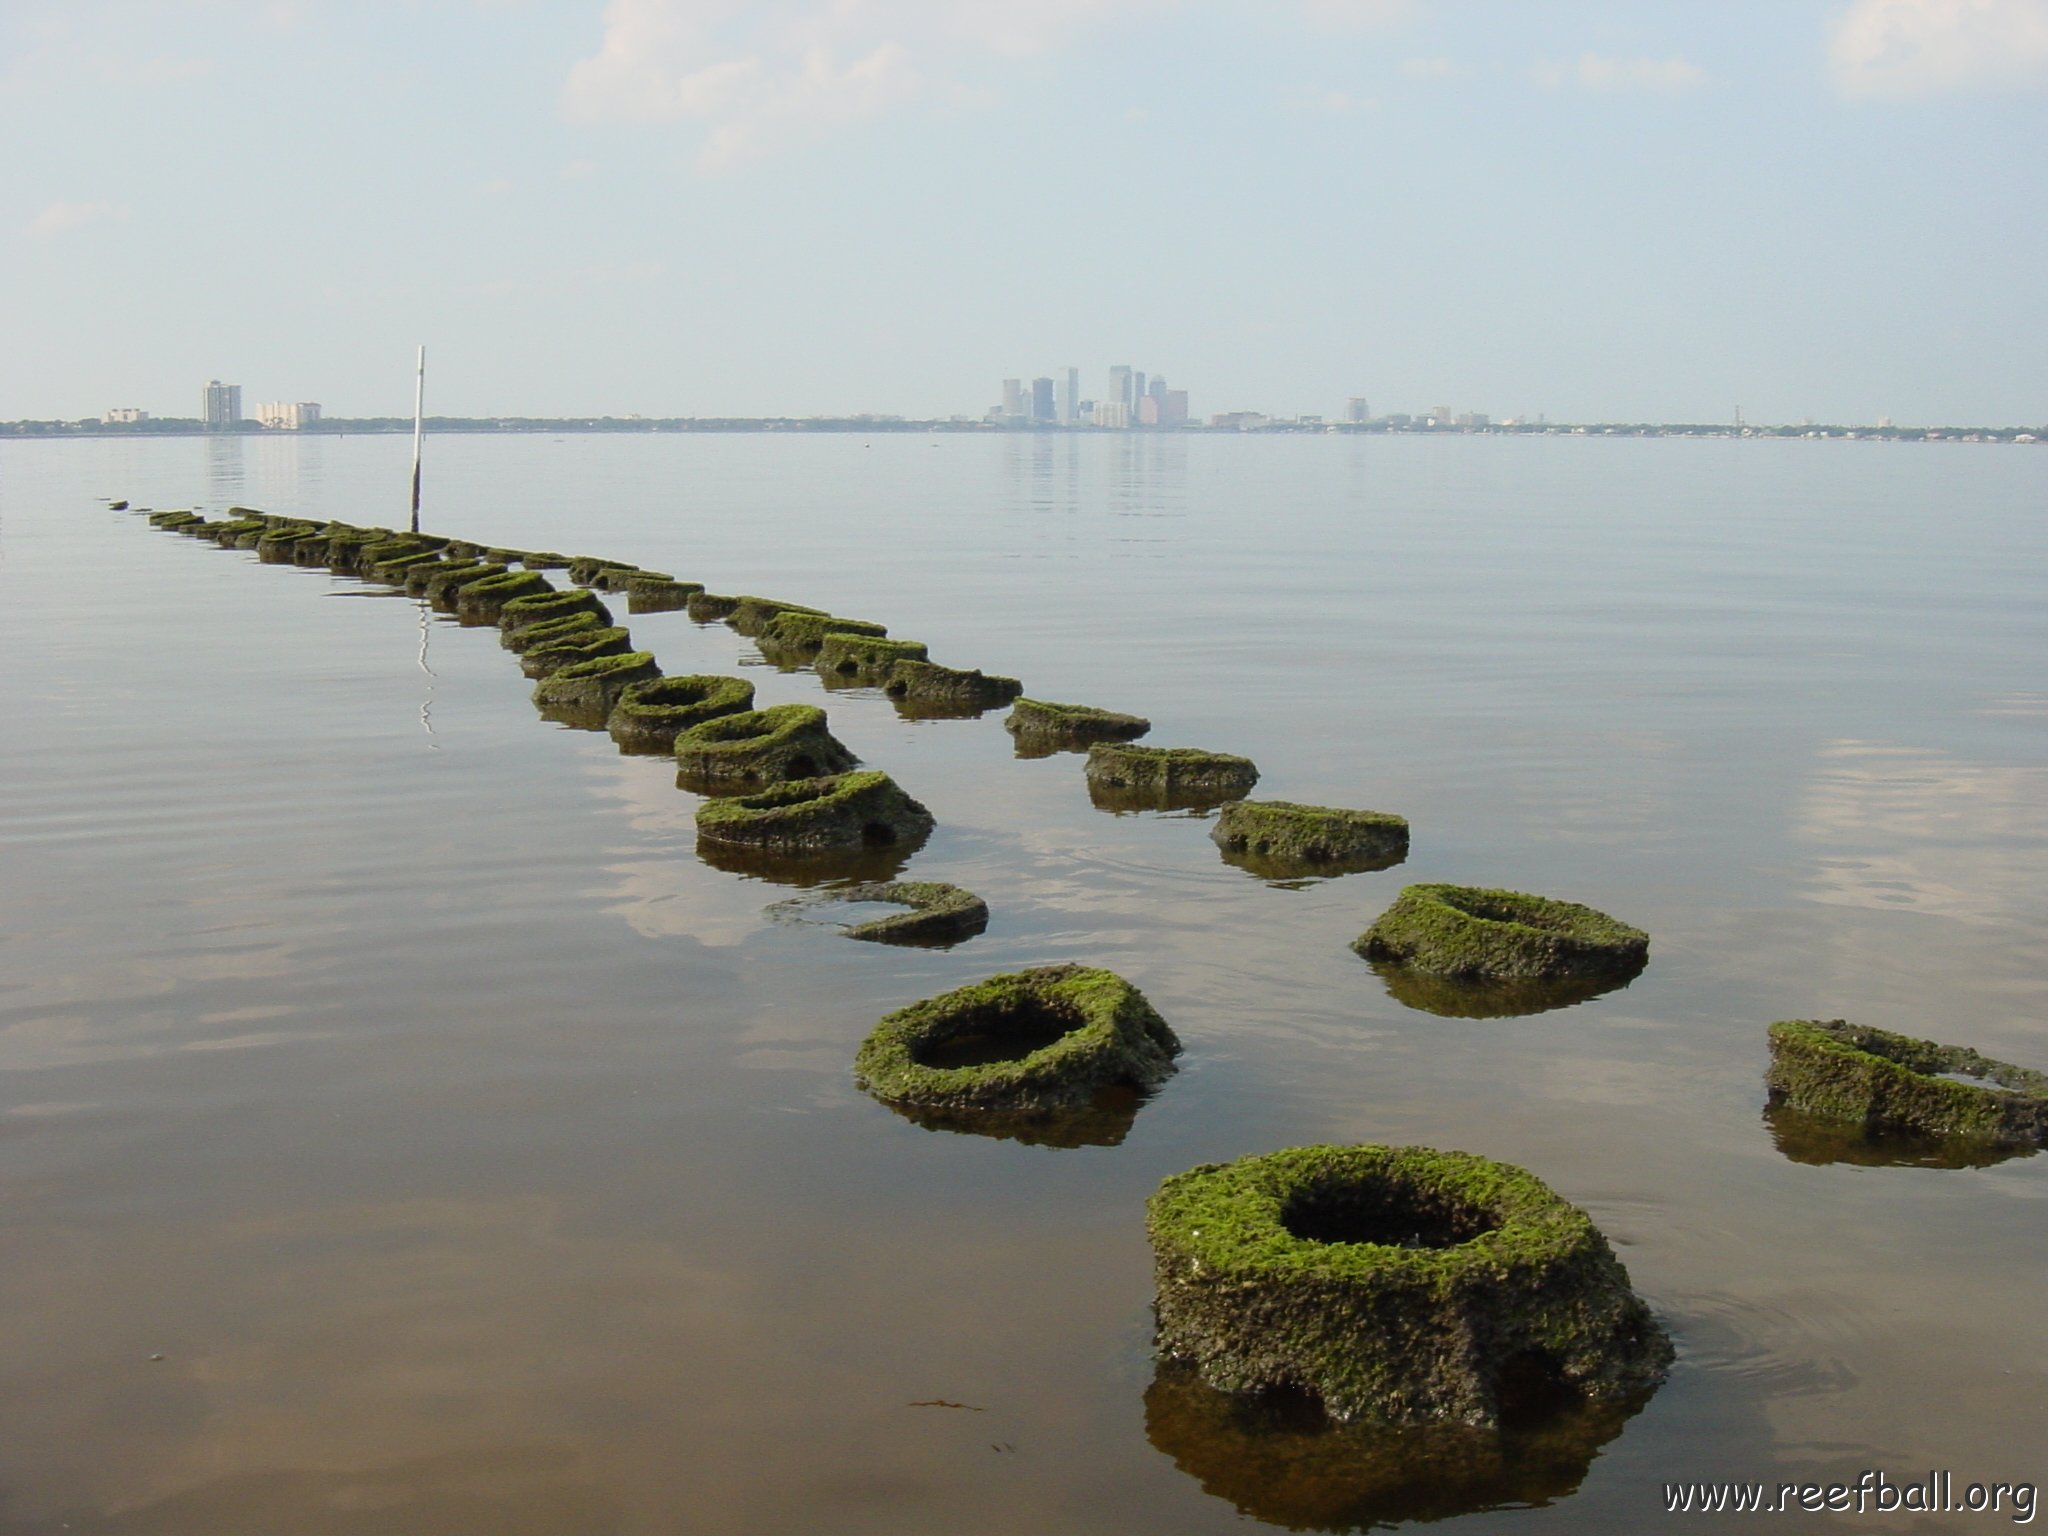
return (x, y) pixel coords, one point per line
(1137, 388)
(1356, 411)
(1071, 411)
(1041, 400)
(222, 411)
(1120, 385)
(1013, 398)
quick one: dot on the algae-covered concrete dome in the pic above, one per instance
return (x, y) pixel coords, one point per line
(1885, 1081)
(648, 716)
(840, 812)
(1041, 726)
(1394, 1284)
(760, 746)
(1285, 834)
(1032, 1040)
(1468, 930)
(935, 913)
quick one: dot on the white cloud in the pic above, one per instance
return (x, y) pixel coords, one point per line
(1917, 47)
(1599, 72)
(59, 217)
(763, 75)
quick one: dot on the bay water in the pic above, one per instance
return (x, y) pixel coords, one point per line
(402, 1128)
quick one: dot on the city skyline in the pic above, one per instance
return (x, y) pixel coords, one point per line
(1594, 211)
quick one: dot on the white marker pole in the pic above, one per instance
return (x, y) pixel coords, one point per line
(419, 402)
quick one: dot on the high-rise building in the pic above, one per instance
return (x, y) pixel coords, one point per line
(288, 415)
(124, 415)
(1041, 400)
(1356, 411)
(1112, 413)
(1119, 386)
(1173, 408)
(1013, 397)
(222, 411)
(1137, 388)
(1070, 409)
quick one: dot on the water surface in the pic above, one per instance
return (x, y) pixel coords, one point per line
(478, 1159)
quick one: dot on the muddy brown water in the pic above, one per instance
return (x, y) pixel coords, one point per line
(402, 1129)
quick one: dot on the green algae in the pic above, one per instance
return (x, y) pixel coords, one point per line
(937, 916)
(278, 542)
(367, 556)
(583, 569)
(1463, 930)
(801, 816)
(1281, 835)
(398, 572)
(1032, 1041)
(1041, 728)
(864, 658)
(750, 615)
(539, 607)
(617, 578)
(1393, 1285)
(802, 631)
(1882, 1081)
(444, 585)
(549, 631)
(228, 533)
(710, 607)
(480, 602)
(566, 648)
(420, 577)
(648, 716)
(926, 688)
(759, 746)
(582, 693)
(647, 592)
(1126, 777)
(177, 517)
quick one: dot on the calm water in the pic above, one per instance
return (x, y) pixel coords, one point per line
(478, 1160)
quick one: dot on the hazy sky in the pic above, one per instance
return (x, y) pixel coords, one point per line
(1607, 211)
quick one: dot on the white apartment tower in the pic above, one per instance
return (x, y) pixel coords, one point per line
(222, 411)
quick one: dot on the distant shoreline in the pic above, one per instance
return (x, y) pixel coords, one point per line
(452, 425)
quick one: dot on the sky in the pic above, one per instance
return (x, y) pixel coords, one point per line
(1658, 210)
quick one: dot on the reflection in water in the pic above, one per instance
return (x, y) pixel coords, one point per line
(809, 868)
(225, 480)
(427, 702)
(1915, 830)
(1822, 1141)
(1295, 873)
(1102, 1122)
(1280, 1460)
(1479, 997)
(1123, 802)
(517, 1491)
(933, 709)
